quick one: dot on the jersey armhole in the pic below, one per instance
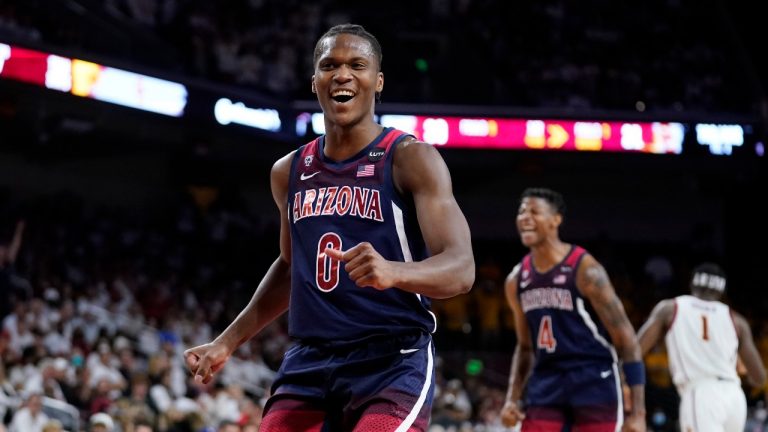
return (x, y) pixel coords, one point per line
(674, 316)
(525, 265)
(733, 321)
(391, 148)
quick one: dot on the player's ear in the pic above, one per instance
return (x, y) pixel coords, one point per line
(558, 219)
(380, 82)
(314, 90)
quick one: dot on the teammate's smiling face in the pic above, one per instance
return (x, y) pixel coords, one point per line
(346, 79)
(536, 220)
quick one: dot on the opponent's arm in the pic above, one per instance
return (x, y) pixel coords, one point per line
(654, 329)
(748, 352)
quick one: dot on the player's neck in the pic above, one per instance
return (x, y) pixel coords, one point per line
(344, 142)
(549, 253)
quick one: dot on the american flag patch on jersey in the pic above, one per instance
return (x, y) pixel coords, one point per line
(365, 170)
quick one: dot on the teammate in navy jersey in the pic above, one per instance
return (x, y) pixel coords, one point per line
(571, 332)
(370, 231)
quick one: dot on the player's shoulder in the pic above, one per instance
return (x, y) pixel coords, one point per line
(284, 163)
(584, 257)
(418, 165)
(512, 277)
(667, 305)
(410, 147)
(588, 268)
(665, 311)
(281, 170)
(739, 320)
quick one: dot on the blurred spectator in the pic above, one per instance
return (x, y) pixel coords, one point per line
(14, 288)
(10, 400)
(30, 418)
(135, 409)
(101, 422)
(452, 405)
(53, 426)
(229, 426)
(142, 426)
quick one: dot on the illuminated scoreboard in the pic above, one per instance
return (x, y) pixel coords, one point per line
(532, 134)
(232, 107)
(92, 80)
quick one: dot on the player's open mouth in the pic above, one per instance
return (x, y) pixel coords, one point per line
(342, 96)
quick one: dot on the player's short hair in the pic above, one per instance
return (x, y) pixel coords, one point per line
(353, 29)
(554, 198)
(708, 276)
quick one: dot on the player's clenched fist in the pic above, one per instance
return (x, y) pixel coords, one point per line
(205, 360)
(365, 266)
(634, 423)
(511, 414)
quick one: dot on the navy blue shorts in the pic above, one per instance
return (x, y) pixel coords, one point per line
(383, 385)
(588, 397)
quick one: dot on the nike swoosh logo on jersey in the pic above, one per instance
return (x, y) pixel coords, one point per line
(408, 351)
(304, 176)
(605, 374)
(525, 283)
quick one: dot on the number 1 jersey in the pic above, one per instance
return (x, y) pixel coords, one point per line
(702, 343)
(339, 205)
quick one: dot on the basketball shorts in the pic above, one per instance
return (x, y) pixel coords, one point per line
(383, 385)
(585, 398)
(713, 406)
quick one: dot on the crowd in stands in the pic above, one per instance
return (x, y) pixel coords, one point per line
(671, 55)
(99, 304)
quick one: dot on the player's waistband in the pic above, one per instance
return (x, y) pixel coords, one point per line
(376, 341)
(712, 379)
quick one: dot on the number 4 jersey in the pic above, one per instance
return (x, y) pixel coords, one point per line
(565, 329)
(339, 205)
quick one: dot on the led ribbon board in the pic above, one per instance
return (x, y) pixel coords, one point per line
(93, 81)
(531, 134)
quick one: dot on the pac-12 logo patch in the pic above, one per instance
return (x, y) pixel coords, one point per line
(376, 155)
(308, 160)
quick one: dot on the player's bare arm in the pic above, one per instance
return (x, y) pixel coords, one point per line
(523, 358)
(269, 301)
(420, 171)
(748, 352)
(593, 282)
(654, 329)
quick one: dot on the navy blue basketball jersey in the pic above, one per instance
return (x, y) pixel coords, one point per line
(565, 329)
(339, 205)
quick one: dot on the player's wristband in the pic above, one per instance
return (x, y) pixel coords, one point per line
(634, 373)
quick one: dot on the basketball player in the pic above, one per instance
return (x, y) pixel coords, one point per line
(704, 338)
(370, 231)
(571, 332)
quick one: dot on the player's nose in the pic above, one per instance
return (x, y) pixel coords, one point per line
(343, 74)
